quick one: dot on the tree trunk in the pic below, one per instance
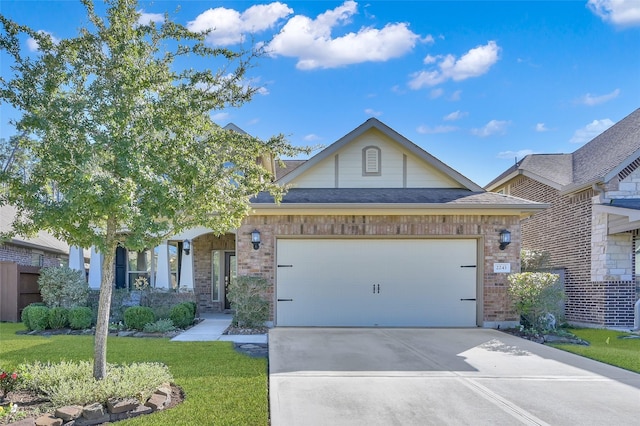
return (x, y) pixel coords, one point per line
(104, 304)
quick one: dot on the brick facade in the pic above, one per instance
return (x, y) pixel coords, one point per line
(24, 256)
(202, 247)
(599, 284)
(495, 305)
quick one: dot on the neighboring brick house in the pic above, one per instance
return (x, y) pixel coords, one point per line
(42, 250)
(591, 229)
(20, 263)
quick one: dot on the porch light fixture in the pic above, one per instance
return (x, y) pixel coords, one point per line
(505, 239)
(255, 239)
(186, 247)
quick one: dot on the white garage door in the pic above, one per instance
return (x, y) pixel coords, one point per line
(366, 282)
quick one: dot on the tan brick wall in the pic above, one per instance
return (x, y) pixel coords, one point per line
(565, 231)
(496, 307)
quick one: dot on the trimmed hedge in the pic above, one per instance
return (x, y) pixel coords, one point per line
(58, 318)
(80, 318)
(136, 317)
(37, 318)
(182, 315)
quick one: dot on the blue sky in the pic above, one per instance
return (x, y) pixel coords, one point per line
(475, 84)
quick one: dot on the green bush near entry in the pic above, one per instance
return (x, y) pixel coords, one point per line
(136, 317)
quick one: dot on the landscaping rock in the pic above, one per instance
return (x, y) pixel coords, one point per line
(93, 411)
(138, 411)
(256, 350)
(157, 401)
(48, 420)
(116, 406)
(82, 421)
(70, 412)
(164, 390)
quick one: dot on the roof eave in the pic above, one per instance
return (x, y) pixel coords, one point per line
(578, 187)
(523, 210)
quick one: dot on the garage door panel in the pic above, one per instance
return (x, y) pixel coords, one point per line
(376, 282)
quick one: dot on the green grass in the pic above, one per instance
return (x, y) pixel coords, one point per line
(607, 347)
(222, 387)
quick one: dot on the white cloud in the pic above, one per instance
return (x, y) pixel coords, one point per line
(456, 115)
(621, 13)
(426, 130)
(509, 155)
(311, 138)
(591, 100)
(591, 130)
(229, 26)
(436, 93)
(220, 116)
(147, 18)
(455, 96)
(541, 127)
(33, 45)
(372, 112)
(311, 42)
(474, 63)
(494, 127)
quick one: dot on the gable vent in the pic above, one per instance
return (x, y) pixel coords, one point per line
(629, 169)
(371, 161)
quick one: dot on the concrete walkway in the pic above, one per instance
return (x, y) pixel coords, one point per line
(211, 329)
(347, 376)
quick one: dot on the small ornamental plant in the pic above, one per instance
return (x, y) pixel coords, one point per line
(8, 381)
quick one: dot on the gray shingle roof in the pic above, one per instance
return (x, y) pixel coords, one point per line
(453, 197)
(607, 151)
(284, 167)
(615, 148)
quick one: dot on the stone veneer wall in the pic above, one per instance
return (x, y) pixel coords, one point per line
(202, 247)
(496, 307)
(565, 230)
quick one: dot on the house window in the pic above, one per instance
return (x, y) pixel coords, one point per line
(371, 161)
(37, 258)
(139, 269)
(217, 274)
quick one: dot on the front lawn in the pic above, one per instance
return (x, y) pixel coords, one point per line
(607, 346)
(222, 387)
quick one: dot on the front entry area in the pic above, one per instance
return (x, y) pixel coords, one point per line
(376, 282)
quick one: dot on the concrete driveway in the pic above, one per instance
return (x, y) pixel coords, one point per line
(348, 376)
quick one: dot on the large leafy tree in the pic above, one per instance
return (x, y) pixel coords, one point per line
(125, 135)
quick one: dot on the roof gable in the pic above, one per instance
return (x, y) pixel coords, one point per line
(403, 164)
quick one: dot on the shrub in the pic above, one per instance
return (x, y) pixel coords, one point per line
(246, 296)
(24, 316)
(62, 286)
(181, 315)
(160, 326)
(534, 296)
(58, 318)
(80, 318)
(38, 318)
(192, 307)
(71, 383)
(136, 317)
